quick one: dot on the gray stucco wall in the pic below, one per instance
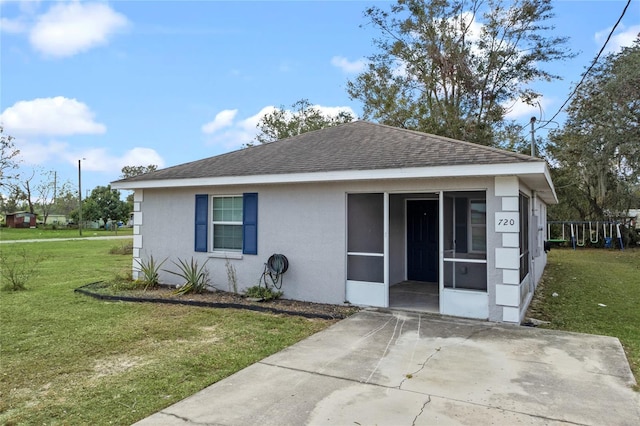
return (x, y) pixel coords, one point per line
(307, 223)
(306, 226)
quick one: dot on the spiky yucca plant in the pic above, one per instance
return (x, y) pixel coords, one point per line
(149, 268)
(196, 277)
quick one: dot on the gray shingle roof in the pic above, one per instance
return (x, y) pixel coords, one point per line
(358, 145)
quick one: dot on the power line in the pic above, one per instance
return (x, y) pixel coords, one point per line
(590, 67)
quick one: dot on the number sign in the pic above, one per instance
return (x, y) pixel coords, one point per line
(507, 222)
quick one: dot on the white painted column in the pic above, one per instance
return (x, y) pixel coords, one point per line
(386, 247)
(441, 249)
(138, 198)
(507, 223)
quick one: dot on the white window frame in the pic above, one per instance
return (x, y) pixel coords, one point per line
(222, 222)
(472, 225)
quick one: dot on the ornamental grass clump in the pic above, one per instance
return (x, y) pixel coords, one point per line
(150, 271)
(196, 276)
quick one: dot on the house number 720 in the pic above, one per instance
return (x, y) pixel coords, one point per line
(507, 222)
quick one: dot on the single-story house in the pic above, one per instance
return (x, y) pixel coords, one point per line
(53, 219)
(357, 209)
(634, 215)
(21, 220)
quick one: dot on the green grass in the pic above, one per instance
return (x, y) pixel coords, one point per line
(66, 358)
(583, 279)
(7, 234)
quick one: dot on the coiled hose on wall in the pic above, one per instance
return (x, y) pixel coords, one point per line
(276, 266)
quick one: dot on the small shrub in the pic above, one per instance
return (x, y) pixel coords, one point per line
(196, 277)
(124, 281)
(124, 249)
(149, 268)
(16, 271)
(264, 293)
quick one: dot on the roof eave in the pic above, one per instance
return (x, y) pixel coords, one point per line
(526, 170)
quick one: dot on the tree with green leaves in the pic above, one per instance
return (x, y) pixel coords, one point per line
(8, 158)
(596, 154)
(131, 171)
(47, 191)
(66, 200)
(24, 188)
(105, 204)
(454, 67)
(14, 200)
(301, 118)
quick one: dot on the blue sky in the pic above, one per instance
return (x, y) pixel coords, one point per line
(165, 82)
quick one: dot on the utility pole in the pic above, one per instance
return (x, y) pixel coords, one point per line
(80, 198)
(533, 137)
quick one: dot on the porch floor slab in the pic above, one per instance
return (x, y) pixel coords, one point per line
(417, 296)
(406, 368)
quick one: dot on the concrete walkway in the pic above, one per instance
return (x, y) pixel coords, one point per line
(403, 368)
(46, 240)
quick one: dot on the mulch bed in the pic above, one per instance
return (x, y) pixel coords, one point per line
(220, 299)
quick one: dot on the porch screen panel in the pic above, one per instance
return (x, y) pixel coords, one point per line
(524, 236)
(365, 223)
(365, 268)
(365, 237)
(465, 240)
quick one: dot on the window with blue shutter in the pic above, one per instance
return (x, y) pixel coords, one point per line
(250, 223)
(227, 213)
(234, 223)
(202, 222)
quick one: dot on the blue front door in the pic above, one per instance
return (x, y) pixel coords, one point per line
(422, 240)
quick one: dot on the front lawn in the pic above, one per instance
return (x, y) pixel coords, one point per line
(70, 359)
(597, 291)
(10, 234)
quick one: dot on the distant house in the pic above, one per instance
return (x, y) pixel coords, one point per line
(54, 219)
(634, 216)
(358, 209)
(21, 220)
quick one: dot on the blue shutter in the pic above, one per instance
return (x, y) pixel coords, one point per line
(202, 222)
(250, 223)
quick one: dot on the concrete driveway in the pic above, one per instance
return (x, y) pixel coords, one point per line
(399, 368)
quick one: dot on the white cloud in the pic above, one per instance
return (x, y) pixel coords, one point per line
(140, 157)
(237, 133)
(621, 39)
(349, 67)
(50, 116)
(250, 123)
(70, 28)
(467, 21)
(94, 159)
(40, 153)
(520, 110)
(325, 110)
(222, 119)
(12, 26)
(101, 160)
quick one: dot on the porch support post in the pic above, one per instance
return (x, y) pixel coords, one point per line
(440, 248)
(386, 248)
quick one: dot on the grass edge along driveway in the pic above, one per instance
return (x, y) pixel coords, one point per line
(70, 359)
(597, 291)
